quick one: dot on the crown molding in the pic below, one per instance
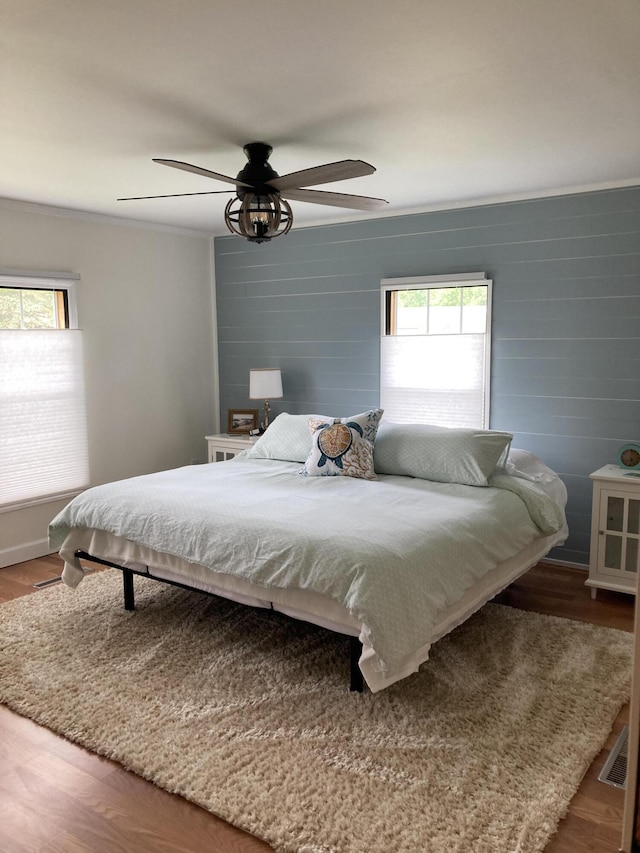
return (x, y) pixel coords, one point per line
(482, 201)
(101, 218)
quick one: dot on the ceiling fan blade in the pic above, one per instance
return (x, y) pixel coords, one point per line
(171, 195)
(340, 171)
(198, 170)
(356, 202)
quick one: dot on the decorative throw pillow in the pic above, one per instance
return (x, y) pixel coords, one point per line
(343, 446)
(442, 454)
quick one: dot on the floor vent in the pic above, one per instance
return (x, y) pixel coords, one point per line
(614, 771)
(48, 582)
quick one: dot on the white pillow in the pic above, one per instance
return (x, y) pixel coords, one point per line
(287, 438)
(442, 454)
(528, 466)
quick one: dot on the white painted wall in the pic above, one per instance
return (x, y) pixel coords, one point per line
(146, 305)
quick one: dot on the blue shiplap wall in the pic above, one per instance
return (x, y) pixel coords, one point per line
(566, 320)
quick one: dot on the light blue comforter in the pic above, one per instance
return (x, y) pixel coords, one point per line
(395, 551)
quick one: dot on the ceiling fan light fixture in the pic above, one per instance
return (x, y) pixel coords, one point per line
(258, 217)
(258, 212)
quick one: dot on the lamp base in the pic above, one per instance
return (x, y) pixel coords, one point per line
(265, 419)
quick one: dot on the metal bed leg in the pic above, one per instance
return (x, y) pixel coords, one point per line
(355, 649)
(356, 684)
(129, 597)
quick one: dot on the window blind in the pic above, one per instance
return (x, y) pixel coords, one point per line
(43, 433)
(434, 379)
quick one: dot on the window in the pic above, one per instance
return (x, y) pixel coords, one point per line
(43, 435)
(435, 350)
(33, 307)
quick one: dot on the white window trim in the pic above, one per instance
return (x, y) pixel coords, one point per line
(424, 281)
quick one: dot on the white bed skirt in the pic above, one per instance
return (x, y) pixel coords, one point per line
(301, 604)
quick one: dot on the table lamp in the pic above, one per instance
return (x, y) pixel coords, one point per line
(265, 382)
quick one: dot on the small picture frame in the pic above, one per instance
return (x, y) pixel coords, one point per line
(242, 421)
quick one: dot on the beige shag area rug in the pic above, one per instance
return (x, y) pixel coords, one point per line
(248, 713)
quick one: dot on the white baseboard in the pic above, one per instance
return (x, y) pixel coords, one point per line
(27, 551)
(566, 563)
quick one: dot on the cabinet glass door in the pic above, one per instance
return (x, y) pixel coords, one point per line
(620, 528)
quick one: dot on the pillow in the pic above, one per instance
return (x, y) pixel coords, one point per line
(343, 446)
(442, 454)
(287, 438)
(528, 466)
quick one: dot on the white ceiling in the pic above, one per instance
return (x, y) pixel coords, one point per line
(451, 100)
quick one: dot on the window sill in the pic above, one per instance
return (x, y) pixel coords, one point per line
(45, 499)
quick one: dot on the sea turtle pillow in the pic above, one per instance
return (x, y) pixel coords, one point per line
(343, 447)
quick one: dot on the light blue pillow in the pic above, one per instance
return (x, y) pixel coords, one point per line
(343, 447)
(442, 454)
(287, 438)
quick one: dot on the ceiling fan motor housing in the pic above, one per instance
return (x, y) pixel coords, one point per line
(257, 172)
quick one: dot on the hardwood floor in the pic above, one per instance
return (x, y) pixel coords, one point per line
(56, 797)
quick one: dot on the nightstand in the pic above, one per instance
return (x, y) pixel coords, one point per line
(225, 446)
(615, 530)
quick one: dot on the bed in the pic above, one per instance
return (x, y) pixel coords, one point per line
(393, 541)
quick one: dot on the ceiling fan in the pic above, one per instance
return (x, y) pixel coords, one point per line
(260, 210)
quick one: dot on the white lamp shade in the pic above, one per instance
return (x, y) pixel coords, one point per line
(265, 384)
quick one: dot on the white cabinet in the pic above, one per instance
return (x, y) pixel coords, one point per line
(225, 446)
(615, 530)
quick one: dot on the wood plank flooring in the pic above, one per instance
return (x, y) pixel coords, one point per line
(56, 797)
